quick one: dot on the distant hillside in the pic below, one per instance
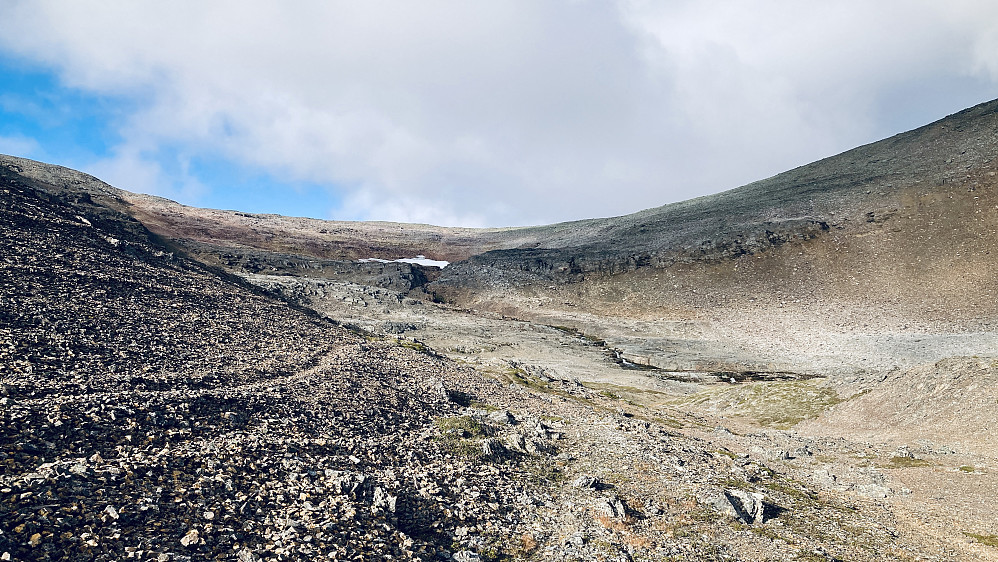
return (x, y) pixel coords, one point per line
(889, 246)
(872, 184)
(881, 256)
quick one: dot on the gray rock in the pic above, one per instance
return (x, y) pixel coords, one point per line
(383, 500)
(502, 417)
(493, 447)
(747, 507)
(192, 537)
(466, 556)
(517, 442)
(873, 491)
(247, 555)
(612, 506)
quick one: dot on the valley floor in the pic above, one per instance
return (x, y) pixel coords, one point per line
(851, 467)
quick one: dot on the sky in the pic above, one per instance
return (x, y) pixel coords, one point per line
(462, 113)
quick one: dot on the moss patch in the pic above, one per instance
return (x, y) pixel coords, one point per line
(415, 345)
(462, 435)
(990, 540)
(779, 404)
(484, 406)
(461, 426)
(906, 462)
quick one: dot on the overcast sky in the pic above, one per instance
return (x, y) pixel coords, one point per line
(474, 113)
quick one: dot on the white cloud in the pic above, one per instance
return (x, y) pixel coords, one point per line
(406, 209)
(508, 112)
(138, 172)
(17, 145)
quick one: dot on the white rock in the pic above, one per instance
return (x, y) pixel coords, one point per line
(192, 537)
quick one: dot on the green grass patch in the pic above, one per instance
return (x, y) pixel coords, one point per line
(461, 426)
(794, 490)
(990, 540)
(414, 345)
(967, 468)
(466, 448)
(766, 532)
(462, 435)
(520, 377)
(575, 332)
(618, 390)
(778, 404)
(906, 462)
(484, 406)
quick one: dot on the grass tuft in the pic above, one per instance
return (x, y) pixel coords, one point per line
(990, 540)
(462, 426)
(906, 462)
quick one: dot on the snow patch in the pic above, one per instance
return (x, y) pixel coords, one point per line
(418, 260)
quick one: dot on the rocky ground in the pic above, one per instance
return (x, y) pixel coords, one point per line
(157, 409)
(800, 369)
(926, 481)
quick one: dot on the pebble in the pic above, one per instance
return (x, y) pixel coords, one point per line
(192, 537)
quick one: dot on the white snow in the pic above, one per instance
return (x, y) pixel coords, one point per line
(418, 260)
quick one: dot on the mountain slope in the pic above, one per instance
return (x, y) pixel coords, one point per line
(155, 406)
(152, 405)
(817, 270)
(832, 194)
(881, 256)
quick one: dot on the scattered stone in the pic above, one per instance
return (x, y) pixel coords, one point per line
(494, 448)
(246, 555)
(503, 417)
(586, 482)
(192, 537)
(747, 507)
(612, 507)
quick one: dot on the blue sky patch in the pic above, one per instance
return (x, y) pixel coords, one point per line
(70, 126)
(46, 121)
